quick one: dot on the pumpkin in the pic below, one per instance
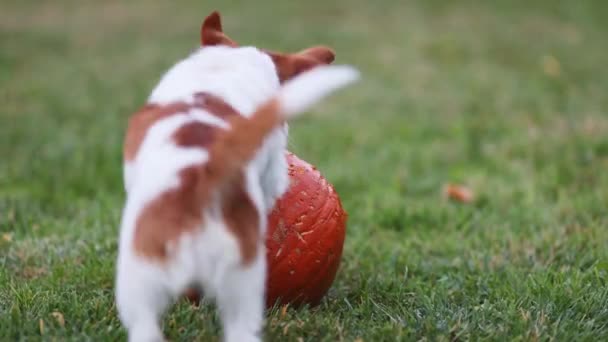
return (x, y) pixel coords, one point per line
(304, 241)
(305, 237)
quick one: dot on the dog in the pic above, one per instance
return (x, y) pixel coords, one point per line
(204, 164)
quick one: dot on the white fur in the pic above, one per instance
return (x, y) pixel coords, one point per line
(209, 257)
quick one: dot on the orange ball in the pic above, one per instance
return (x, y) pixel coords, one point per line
(304, 240)
(305, 237)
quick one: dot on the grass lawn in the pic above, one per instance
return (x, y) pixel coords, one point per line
(507, 97)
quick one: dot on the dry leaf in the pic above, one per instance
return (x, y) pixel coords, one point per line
(459, 193)
(525, 315)
(59, 317)
(551, 66)
(283, 311)
(8, 237)
(286, 328)
(41, 326)
(358, 339)
(31, 272)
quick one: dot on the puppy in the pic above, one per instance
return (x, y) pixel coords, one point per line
(204, 164)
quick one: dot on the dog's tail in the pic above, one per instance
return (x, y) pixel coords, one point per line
(236, 146)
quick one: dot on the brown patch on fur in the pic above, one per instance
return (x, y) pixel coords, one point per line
(141, 121)
(241, 217)
(180, 209)
(195, 134)
(214, 105)
(167, 217)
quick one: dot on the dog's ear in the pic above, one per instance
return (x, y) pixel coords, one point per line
(322, 54)
(291, 65)
(212, 34)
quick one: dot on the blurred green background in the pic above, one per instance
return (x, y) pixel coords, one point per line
(506, 97)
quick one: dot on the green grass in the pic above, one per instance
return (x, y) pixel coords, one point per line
(507, 97)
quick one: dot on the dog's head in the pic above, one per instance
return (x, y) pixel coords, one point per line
(287, 65)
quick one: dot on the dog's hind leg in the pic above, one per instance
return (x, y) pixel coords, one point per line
(241, 301)
(140, 298)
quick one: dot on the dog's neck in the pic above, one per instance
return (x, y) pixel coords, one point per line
(243, 77)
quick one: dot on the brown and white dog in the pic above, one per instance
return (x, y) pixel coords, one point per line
(204, 164)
